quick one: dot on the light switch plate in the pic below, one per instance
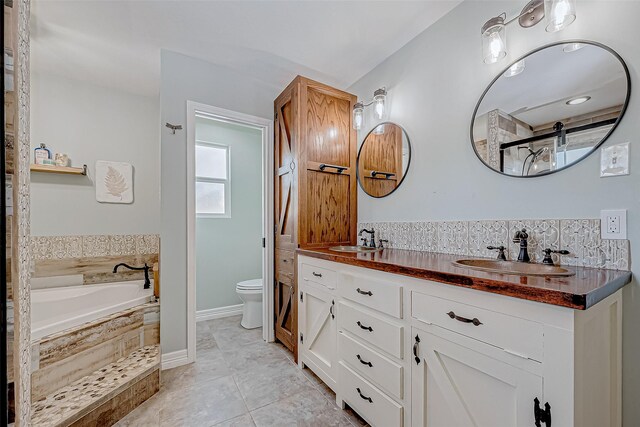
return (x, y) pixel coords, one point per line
(614, 160)
(613, 224)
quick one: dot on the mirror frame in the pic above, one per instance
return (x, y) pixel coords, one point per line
(615, 125)
(404, 174)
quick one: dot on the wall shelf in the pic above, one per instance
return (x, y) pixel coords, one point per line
(65, 170)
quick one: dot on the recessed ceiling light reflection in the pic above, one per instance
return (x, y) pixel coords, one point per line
(578, 101)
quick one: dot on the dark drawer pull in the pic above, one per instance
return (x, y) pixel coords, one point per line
(317, 274)
(367, 328)
(370, 400)
(361, 292)
(475, 320)
(415, 350)
(364, 362)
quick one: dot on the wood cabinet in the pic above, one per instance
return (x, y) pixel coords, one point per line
(413, 352)
(315, 184)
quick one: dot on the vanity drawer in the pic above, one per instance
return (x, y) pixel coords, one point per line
(319, 275)
(515, 335)
(371, 328)
(383, 296)
(368, 401)
(371, 364)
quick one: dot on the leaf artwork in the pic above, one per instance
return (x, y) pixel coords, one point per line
(115, 182)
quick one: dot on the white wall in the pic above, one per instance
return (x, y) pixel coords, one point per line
(90, 123)
(229, 250)
(434, 83)
(184, 78)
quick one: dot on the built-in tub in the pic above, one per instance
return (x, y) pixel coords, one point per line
(56, 309)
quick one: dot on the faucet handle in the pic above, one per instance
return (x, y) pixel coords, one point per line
(547, 255)
(500, 249)
(381, 241)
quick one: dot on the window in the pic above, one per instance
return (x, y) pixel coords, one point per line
(213, 190)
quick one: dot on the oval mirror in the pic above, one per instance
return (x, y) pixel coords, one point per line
(383, 159)
(550, 109)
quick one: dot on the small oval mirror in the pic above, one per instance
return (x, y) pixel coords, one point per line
(383, 159)
(550, 109)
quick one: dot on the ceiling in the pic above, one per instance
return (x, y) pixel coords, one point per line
(117, 43)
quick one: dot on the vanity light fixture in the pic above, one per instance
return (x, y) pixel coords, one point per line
(515, 69)
(379, 103)
(579, 100)
(560, 14)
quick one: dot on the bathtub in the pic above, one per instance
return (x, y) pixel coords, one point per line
(56, 309)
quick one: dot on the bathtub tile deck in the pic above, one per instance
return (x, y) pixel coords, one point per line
(239, 380)
(72, 402)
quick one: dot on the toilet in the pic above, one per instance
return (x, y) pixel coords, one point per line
(250, 292)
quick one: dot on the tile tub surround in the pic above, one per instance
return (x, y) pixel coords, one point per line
(101, 397)
(581, 237)
(239, 380)
(75, 260)
(64, 357)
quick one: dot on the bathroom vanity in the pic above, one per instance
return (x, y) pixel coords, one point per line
(407, 338)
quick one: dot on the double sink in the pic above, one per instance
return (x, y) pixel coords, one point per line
(488, 265)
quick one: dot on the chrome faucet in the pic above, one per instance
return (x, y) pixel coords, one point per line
(147, 282)
(372, 234)
(522, 236)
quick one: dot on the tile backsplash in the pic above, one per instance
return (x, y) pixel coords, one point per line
(89, 246)
(581, 237)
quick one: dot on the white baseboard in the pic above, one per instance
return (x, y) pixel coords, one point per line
(174, 359)
(219, 313)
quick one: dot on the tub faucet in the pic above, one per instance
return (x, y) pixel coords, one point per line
(147, 282)
(522, 236)
(372, 234)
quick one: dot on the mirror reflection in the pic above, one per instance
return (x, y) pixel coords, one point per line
(551, 109)
(383, 159)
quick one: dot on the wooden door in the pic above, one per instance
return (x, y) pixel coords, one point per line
(455, 384)
(318, 333)
(327, 157)
(285, 196)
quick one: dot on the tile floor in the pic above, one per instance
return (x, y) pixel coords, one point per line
(239, 380)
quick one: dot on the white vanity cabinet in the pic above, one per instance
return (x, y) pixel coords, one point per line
(402, 351)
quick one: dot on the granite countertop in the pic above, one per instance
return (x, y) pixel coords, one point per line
(581, 291)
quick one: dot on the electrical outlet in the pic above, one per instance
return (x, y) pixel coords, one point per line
(613, 224)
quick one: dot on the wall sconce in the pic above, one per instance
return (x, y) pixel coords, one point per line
(559, 13)
(379, 102)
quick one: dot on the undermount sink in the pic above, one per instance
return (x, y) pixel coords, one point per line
(512, 267)
(354, 249)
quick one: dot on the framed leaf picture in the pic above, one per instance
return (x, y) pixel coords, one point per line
(114, 182)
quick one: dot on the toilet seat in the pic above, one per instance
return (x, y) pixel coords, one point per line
(250, 285)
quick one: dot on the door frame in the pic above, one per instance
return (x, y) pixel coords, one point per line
(266, 127)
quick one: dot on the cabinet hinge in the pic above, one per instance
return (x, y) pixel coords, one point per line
(301, 297)
(301, 338)
(264, 242)
(541, 415)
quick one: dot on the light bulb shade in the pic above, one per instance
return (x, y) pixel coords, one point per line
(358, 118)
(379, 103)
(515, 69)
(559, 14)
(494, 40)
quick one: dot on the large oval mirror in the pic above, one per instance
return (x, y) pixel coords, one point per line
(383, 159)
(550, 109)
